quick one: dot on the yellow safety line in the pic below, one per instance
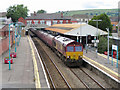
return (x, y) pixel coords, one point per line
(36, 73)
(102, 66)
(114, 60)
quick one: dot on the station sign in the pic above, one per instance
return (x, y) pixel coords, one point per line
(95, 41)
(114, 47)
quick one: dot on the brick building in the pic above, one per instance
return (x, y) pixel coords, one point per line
(4, 33)
(4, 39)
(46, 18)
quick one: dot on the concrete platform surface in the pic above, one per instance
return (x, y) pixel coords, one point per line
(21, 74)
(101, 62)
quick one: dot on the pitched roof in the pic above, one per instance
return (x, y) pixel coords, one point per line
(114, 19)
(76, 29)
(2, 14)
(82, 16)
(47, 16)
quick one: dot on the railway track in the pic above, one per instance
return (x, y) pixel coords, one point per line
(56, 78)
(87, 83)
(51, 68)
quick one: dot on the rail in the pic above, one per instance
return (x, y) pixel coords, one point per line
(55, 67)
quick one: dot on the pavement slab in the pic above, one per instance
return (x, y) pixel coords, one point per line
(21, 74)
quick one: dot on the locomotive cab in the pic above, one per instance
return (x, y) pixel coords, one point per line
(74, 53)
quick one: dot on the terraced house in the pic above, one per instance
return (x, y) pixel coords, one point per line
(46, 18)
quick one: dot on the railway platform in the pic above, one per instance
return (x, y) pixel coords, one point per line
(100, 62)
(24, 72)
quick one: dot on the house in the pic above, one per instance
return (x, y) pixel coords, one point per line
(3, 18)
(46, 18)
(21, 19)
(114, 22)
(79, 18)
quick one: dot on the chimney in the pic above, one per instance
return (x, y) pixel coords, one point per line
(34, 13)
(61, 15)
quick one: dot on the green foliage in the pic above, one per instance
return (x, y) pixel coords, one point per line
(109, 12)
(15, 12)
(105, 23)
(41, 11)
(103, 43)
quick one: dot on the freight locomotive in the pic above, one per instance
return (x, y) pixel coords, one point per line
(70, 51)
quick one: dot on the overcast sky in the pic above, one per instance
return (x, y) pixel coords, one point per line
(52, 6)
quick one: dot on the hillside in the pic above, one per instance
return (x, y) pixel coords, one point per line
(109, 12)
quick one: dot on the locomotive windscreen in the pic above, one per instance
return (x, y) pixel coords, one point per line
(78, 48)
(70, 48)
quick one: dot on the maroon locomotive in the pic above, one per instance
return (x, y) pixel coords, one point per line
(70, 51)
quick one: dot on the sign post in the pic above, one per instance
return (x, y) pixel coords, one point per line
(108, 44)
(117, 58)
(86, 43)
(95, 44)
(112, 56)
(115, 47)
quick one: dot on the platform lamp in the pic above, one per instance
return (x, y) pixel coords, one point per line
(19, 32)
(10, 28)
(15, 38)
(108, 44)
(97, 34)
(77, 37)
(13, 54)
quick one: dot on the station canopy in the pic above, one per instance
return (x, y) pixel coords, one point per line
(76, 29)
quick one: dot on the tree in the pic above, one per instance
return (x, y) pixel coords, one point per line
(15, 12)
(41, 11)
(103, 43)
(105, 23)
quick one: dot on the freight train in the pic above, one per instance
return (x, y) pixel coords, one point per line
(70, 51)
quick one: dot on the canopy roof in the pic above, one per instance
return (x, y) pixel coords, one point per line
(76, 29)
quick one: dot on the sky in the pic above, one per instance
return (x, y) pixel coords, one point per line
(52, 6)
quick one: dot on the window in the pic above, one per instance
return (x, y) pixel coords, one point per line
(61, 21)
(54, 22)
(70, 49)
(81, 20)
(29, 22)
(36, 22)
(42, 22)
(78, 48)
(66, 21)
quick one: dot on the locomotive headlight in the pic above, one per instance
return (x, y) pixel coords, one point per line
(79, 56)
(68, 56)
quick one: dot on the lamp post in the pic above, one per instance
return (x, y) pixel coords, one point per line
(19, 33)
(86, 43)
(97, 34)
(77, 37)
(108, 44)
(81, 32)
(118, 29)
(15, 38)
(9, 46)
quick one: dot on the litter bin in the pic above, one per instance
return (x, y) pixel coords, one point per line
(6, 60)
(13, 55)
